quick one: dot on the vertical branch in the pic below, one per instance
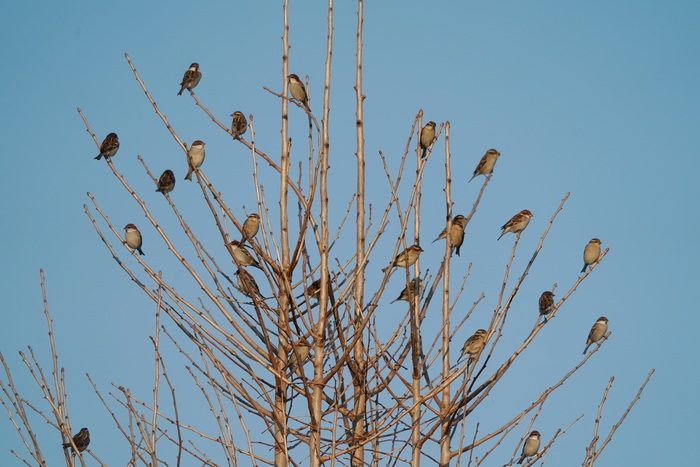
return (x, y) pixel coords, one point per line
(360, 366)
(445, 405)
(280, 428)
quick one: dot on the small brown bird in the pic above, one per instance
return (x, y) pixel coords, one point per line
(296, 87)
(546, 303)
(486, 163)
(242, 256)
(475, 344)
(531, 446)
(591, 253)
(408, 257)
(195, 158)
(597, 332)
(517, 223)
(166, 182)
(409, 291)
(456, 232)
(427, 136)
(81, 440)
(239, 124)
(298, 355)
(314, 290)
(191, 78)
(133, 238)
(247, 284)
(250, 227)
(109, 147)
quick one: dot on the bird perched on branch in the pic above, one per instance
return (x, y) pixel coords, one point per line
(546, 303)
(247, 284)
(597, 332)
(591, 253)
(166, 182)
(531, 446)
(406, 258)
(195, 158)
(242, 256)
(109, 146)
(427, 136)
(296, 87)
(409, 292)
(298, 355)
(456, 232)
(133, 238)
(81, 440)
(486, 163)
(517, 223)
(191, 78)
(250, 227)
(475, 344)
(239, 124)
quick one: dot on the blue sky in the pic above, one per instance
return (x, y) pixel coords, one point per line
(596, 99)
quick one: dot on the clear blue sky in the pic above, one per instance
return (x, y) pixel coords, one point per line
(599, 99)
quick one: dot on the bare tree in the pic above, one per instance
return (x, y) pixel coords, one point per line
(307, 364)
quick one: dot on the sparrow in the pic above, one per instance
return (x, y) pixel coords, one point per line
(133, 237)
(299, 354)
(81, 440)
(427, 136)
(250, 227)
(409, 291)
(314, 290)
(475, 344)
(109, 147)
(406, 258)
(597, 332)
(166, 182)
(239, 124)
(517, 223)
(195, 158)
(486, 163)
(546, 303)
(191, 78)
(247, 284)
(296, 87)
(531, 446)
(591, 253)
(242, 256)
(456, 232)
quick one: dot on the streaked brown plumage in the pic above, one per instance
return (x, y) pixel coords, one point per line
(427, 136)
(475, 344)
(597, 332)
(517, 223)
(166, 182)
(546, 303)
(486, 163)
(591, 253)
(456, 232)
(81, 440)
(408, 257)
(109, 146)
(239, 124)
(409, 291)
(191, 78)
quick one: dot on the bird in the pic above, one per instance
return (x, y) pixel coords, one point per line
(531, 446)
(456, 232)
(242, 256)
(546, 303)
(409, 292)
(81, 440)
(296, 87)
(195, 158)
(133, 238)
(591, 253)
(314, 290)
(475, 344)
(166, 182)
(247, 284)
(109, 146)
(239, 124)
(597, 332)
(427, 136)
(486, 163)
(298, 355)
(517, 223)
(406, 258)
(191, 78)
(250, 227)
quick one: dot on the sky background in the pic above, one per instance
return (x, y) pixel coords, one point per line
(599, 99)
